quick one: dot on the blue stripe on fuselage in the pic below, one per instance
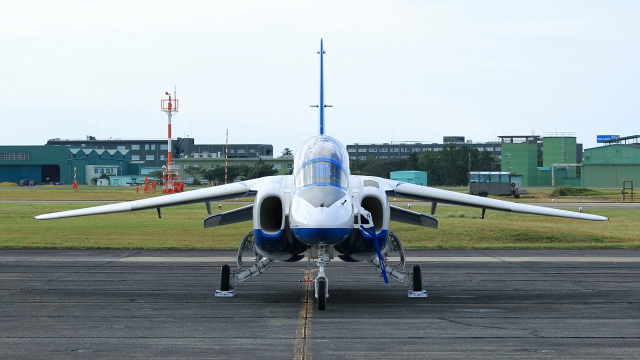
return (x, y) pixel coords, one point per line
(327, 236)
(272, 243)
(368, 243)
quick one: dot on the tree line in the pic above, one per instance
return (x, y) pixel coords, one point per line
(234, 172)
(449, 167)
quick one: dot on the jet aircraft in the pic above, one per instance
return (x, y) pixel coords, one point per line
(321, 207)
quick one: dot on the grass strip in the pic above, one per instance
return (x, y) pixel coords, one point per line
(182, 228)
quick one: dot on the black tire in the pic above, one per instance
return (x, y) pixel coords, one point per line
(225, 276)
(322, 294)
(417, 278)
(483, 194)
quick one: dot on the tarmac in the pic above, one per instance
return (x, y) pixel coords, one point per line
(497, 304)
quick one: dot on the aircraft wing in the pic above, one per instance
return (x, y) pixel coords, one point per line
(425, 193)
(234, 190)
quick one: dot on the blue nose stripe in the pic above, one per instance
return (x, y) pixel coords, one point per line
(328, 236)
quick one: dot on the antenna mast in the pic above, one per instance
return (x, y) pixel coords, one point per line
(170, 184)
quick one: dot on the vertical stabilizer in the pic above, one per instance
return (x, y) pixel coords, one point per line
(321, 104)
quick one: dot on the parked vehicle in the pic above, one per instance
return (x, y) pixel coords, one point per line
(484, 183)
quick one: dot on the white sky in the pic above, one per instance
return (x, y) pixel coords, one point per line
(394, 70)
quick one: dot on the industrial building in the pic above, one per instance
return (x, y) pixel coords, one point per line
(609, 166)
(123, 160)
(560, 152)
(56, 164)
(153, 152)
(520, 158)
(402, 149)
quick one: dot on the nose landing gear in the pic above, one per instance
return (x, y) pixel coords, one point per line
(322, 283)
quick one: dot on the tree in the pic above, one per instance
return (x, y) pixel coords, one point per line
(195, 172)
(243, 171)
(260, 169)
(211, 175)
(486, 162)
(412, 161)
(376, 167)
(287, 153)
(233, 172)
(155, 174)
(217, 174)
(447, 167)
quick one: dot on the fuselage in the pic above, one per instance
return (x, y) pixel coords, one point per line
(321, 210)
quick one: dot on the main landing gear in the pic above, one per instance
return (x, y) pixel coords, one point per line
(411, 279)
(229, 280)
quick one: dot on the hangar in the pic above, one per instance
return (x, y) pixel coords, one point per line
(55, 164)
(610, 165)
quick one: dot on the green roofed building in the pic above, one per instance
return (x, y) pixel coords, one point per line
(55, 164)
(520, 157)
(610, 165)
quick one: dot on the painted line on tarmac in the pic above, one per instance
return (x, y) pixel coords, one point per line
(303, 333)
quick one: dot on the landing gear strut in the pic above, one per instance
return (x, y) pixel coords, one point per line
(229, 280)
(322, 283)
(411, 279)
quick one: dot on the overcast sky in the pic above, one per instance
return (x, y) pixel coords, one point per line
(394, 70)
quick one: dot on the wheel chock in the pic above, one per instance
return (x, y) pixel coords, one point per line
(221, 293)
(422, 293)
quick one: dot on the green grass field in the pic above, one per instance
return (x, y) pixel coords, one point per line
(127, 193)
(182, 228)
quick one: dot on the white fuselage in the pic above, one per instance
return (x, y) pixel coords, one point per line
(322, 208)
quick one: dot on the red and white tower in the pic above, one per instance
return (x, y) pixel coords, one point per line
(170, 185)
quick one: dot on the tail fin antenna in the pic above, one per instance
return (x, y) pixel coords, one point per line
(321, 105)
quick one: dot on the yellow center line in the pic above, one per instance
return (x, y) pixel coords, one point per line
(301, 348)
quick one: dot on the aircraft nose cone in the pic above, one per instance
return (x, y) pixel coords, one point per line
(321, 224)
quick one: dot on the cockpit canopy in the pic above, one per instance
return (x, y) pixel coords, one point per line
(321, 161)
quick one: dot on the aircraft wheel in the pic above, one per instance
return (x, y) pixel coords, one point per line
(483, 193)
(225, 276)
(322, 294)
(417, 278)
